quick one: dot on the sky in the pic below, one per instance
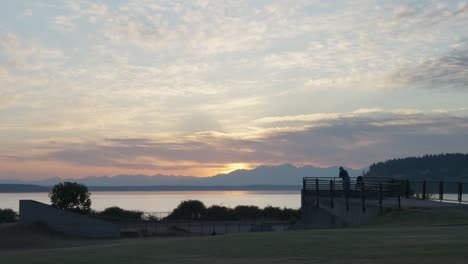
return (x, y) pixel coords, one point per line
(204, 87)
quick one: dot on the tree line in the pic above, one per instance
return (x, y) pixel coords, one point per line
(77, 198)
(445, 167)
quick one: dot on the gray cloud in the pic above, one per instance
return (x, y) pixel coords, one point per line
(450, 70)
(430, 14)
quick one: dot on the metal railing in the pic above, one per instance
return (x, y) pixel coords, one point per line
(382, 190)
(377, 191)
(444, 191)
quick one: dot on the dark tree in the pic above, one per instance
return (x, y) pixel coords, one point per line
(71, 196)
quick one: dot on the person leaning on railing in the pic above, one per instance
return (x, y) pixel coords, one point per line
(359, 183)
(346, 180)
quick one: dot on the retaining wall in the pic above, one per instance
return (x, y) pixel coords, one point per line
(65, 222)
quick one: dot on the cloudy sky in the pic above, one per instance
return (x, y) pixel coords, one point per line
(205, 87)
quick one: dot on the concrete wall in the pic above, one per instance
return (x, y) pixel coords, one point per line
(323, 216)
(66, 222)
(317, 217)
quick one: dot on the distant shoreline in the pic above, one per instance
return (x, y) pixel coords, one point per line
(29, 188)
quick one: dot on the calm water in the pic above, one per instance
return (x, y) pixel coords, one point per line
(166, 201)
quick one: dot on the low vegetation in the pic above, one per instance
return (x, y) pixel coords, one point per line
(115, 212)
(196, 210)
(8, 216)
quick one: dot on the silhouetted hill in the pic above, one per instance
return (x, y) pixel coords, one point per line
(285, 174)
(446, 167)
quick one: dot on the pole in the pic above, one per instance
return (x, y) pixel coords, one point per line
(317, 198)
(441, 191)
(460, 192)
(332, 194)
(380, 197)
(399, 195)
(424, 190)
(363, 197)
(347, 201)
(407, 191)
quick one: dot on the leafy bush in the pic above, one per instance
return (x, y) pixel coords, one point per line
(8, 216)
(119, 213)
(193, 209)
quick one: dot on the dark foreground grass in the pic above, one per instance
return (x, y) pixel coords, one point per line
(377, 244)
(422, 217)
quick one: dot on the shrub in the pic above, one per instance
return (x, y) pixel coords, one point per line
(119, 213)
(8, 216)
(196, 210)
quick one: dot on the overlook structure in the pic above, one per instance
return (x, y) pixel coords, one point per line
(326, 204)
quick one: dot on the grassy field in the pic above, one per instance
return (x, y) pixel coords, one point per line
(394, 238)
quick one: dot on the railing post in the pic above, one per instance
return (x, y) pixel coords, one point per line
(332, 194)
(407, 190)
(347, 201)
(424, 190)
(317, 195)
(399, 195)
(441, 191)
(363, 197)
(380, 197)
(460, 192)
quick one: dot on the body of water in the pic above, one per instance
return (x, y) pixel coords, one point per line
(166, 201)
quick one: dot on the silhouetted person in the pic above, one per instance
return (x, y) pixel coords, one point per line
(359, 183)
(346, 180)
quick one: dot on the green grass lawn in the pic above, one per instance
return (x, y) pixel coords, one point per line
(402, 242)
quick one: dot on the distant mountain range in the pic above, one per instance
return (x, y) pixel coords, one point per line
(285, 174)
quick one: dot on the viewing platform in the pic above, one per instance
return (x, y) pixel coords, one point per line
(330, 202)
